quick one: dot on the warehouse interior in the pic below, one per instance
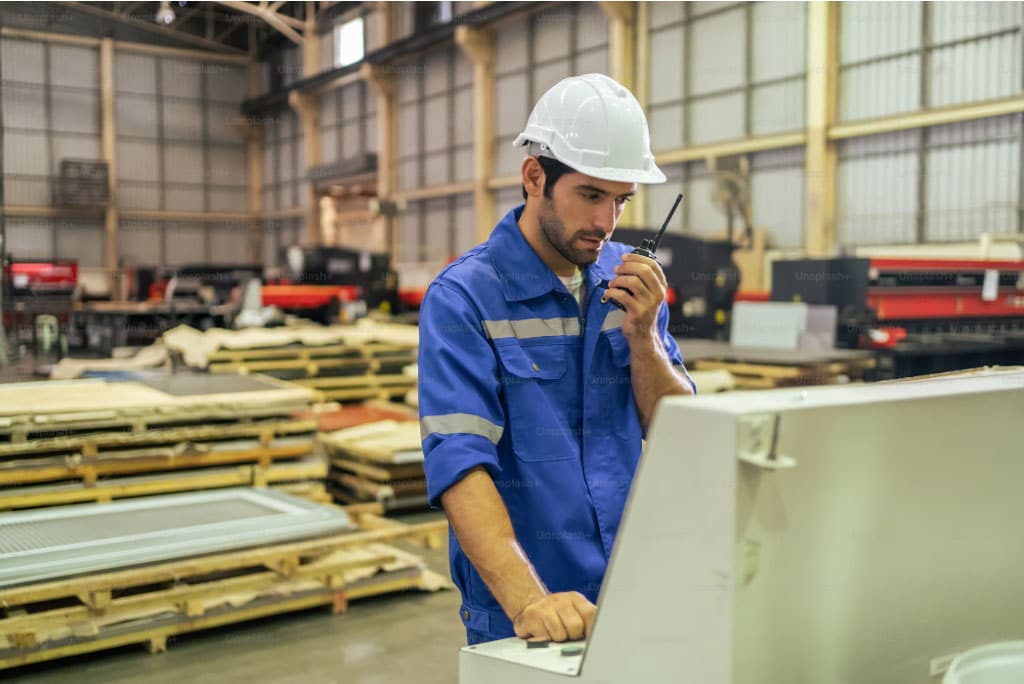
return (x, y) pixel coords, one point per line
(220, 224)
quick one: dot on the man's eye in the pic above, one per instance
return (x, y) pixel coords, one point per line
(592, 196)
(623, 200)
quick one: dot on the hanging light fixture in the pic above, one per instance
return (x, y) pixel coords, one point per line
(165, 15)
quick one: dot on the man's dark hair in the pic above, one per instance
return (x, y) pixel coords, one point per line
(553, 170)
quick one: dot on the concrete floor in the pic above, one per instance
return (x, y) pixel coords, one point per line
(409, 637)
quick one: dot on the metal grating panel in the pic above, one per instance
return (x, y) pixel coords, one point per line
(70, 540)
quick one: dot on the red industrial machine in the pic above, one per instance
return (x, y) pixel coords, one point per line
(929, 315)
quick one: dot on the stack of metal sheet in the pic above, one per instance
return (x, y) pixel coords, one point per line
(75, 579)
(380, 461)
(340, 362)
(78, 441)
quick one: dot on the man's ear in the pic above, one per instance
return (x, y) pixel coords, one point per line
(533, 177)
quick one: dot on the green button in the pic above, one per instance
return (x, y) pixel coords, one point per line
(465, 615)
(572, 650)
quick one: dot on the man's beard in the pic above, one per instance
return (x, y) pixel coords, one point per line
(554, 231)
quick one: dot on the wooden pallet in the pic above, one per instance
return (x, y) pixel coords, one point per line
(359, 388)
(767, 376)
(106, 490)
(48, 620)
(308, 353)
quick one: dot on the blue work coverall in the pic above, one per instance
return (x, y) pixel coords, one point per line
(514, 377)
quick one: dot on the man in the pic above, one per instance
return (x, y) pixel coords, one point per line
(535, 390)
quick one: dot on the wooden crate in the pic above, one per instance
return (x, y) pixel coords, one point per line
(48, 620)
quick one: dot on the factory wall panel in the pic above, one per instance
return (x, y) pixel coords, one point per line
(229, 242)
(29, 237)
(900, 56)
(660, 198)
(531, 55)
(777, 183)
(438, 229)
(973, 179)
(408, 249)
(718, 55)
(876, 189)
(435, 118)
(283, 154)
(186, 243)
(703, 217)
(955, 20)
(742, 69)
(464, 225)
(183, 197)
(22, 60)
(344, 122)
(81, 240)
(983, 70)
(271, 245)
(718, 118)
(141, 242)
(50, 113)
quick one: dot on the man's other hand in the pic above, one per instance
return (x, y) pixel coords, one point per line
(556, 617)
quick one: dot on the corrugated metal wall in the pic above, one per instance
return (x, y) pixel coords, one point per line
(51, 112)
(722, 90)
(177, 148)
(531, 55)
(348, 123)
(435, 148)
(284, 167)
(939, 184)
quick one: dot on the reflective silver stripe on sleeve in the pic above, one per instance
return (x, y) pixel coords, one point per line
(527, 328)
(460, 423)
(614, 319)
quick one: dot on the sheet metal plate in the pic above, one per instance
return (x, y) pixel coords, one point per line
(188, 384)
(49, 543)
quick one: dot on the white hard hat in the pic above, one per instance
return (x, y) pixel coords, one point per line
(594, 125)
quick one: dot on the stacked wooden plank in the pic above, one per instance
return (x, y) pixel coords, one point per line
(380, 461)
(764, 368)
(147, 604)
(93, 440)
(342, 363)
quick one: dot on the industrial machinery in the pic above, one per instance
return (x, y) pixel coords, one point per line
(925, 315)
(702, 281)
(321, 280)
(38, 301)
(862, 534)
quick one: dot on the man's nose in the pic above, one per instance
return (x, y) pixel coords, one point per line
(605, 217)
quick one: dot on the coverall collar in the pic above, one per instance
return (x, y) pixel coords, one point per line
(522, 273)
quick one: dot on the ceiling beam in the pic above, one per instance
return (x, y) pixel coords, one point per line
(272, 18)
(151, 27)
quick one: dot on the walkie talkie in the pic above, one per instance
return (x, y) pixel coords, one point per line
(648, 247)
